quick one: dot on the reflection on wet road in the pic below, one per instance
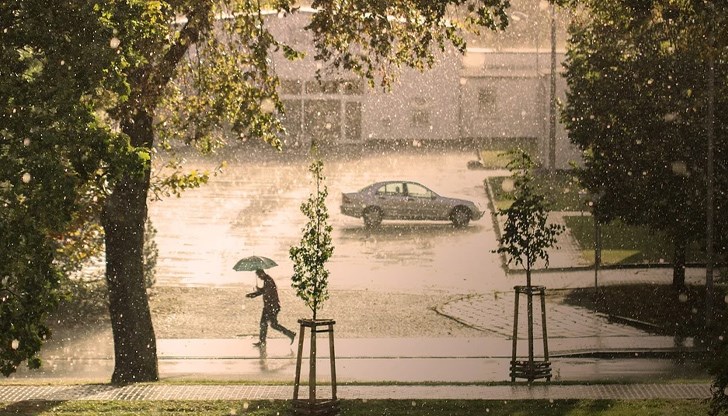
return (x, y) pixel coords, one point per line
(253, 208)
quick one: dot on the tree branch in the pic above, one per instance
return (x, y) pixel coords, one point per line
(199, 20)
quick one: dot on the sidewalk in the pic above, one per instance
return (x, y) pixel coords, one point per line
(387, 360)
(418, 392)
(417, 369)
(584, 348)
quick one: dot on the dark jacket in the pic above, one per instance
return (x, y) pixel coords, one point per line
(271, 304)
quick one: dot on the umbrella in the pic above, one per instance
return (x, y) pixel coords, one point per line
(252, 263)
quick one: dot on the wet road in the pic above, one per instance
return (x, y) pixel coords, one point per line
(253, 208)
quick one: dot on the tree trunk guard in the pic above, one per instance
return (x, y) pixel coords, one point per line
(314, 405)
(530, 369)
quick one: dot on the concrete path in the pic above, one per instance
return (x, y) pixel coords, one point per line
(413, 392)
(391, 360)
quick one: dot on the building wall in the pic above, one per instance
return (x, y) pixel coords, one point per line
(421, 106)
(484, 95)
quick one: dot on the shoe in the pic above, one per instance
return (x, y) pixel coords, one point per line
(293, 337)
(259, 344)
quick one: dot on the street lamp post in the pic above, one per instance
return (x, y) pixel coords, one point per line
(552, 96)
(710, 183)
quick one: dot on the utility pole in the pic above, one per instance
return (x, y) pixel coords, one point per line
(709, 198)
(552, 101)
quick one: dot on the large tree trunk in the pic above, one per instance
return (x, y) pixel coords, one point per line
(678, 262)
(125, 212)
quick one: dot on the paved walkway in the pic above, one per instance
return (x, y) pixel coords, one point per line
(584, 348)
(413, 392)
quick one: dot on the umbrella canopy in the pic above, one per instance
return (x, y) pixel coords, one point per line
(252, 263)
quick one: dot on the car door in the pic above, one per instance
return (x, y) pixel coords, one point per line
(391, 198)
(420, 203)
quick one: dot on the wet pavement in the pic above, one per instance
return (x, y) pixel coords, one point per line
(365, 392)
(253, 209)
(583, 347)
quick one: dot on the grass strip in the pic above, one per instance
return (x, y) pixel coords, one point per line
(364, 407)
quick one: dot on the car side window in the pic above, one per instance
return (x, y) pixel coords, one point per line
(418, 191)
(390, 189)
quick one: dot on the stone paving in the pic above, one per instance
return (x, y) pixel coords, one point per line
(9, 394)
(494, 313)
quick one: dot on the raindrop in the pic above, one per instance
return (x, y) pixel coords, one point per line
(463, 81)
(720, 337)
(26, 177)
(246, 405)
(114, 42)
(267, 106)
(670, 117)
(328, 126)
(683, 297)
(725, 299)
(26, 142)
(15, 344)
(694, 310)
(63, 63)
(414, 403)
(679, 168)
(507, 185)
(725, 391)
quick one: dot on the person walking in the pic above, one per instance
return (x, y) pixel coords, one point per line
(271, 307)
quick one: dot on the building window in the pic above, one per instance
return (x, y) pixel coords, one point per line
(420, 117)
(323, 87)
(291, 87)
(487, 101)
(345, 87)
(292, 118)
(352, 121)
(352, 87)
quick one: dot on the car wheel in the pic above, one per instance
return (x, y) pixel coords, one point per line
(460, 216)
(372, 217)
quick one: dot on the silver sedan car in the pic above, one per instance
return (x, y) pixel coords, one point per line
(406, 200)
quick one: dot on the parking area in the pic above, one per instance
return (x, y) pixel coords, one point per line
(253, 208)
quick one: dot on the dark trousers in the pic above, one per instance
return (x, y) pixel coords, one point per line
(272, 318)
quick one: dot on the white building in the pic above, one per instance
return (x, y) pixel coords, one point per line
(486, 96)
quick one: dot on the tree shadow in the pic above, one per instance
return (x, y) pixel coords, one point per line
(30, 407)
(38, 406)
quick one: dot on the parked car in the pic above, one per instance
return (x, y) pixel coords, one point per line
(406, 200)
